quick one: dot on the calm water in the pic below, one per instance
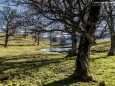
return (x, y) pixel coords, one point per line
(68, 42)
(68, 39)
(56, 49)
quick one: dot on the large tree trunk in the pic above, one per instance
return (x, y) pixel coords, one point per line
(83, 59)
(6, 38)
(112, 49)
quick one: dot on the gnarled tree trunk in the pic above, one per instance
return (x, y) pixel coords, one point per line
(83, 59)
(112, 48)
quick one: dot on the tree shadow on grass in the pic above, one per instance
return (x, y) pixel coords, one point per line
(93, 59)
(33, 62)
(20, 65)
(64, 82)
(1, 44)
(68, 81)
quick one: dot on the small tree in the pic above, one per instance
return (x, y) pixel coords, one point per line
(36, 35)
(32, 24)
(9, 21)
(63, 40)
(109, 18)
(54, 39)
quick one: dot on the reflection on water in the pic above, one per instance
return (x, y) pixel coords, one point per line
(56, 49)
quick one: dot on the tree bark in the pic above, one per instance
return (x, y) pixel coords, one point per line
(83, 60)
(112, 49)
(6, 38)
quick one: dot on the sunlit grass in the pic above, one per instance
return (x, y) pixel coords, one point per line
(18, 45)
(24, 64)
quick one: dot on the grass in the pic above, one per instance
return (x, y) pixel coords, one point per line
(23, 64)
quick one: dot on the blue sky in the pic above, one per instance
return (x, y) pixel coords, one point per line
(13, 7)
(2, 0)
(1, 3)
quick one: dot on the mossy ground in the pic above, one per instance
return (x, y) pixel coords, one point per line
(23, 64)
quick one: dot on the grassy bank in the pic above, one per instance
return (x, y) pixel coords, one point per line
(23, 64)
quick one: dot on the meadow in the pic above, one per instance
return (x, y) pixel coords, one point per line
(22, 63)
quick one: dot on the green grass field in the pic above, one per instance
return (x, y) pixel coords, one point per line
(23, 64)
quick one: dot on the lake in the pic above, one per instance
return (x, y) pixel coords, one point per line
(55, 49)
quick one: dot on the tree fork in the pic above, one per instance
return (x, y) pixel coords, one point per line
(82, 72)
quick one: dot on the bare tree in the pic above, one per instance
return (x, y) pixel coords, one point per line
(62, 40)
(9, 21)
(81, 16)
(73, 13)
(30, 22)
(109, 16)
(54, 39)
